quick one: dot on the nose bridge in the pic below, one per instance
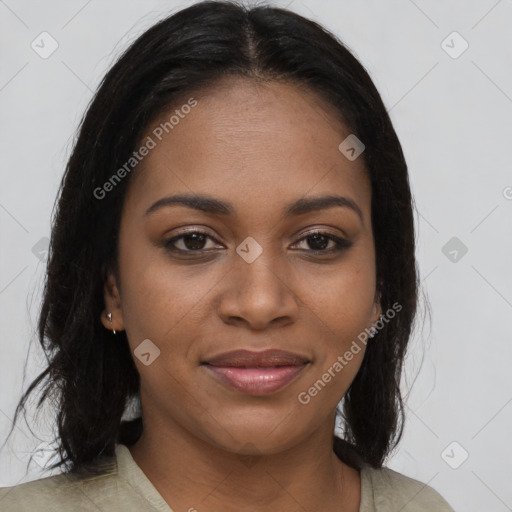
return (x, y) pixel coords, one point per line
(261, 272)
(259, 290)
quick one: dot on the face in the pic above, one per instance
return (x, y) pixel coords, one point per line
(247, 274)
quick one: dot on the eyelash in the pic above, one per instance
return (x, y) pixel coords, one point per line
(341, 244)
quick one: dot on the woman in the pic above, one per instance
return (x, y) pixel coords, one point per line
(233, 251)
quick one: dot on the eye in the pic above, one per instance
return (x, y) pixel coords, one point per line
(319, 240)
(191, 241)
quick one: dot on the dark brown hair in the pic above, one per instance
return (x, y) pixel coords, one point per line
(91, 375)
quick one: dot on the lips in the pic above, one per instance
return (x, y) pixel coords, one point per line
(256, 373)
(248, 359)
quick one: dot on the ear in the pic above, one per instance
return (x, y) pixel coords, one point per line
(112, 304)
(377, 308)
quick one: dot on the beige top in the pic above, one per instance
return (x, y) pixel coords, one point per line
(124, 488)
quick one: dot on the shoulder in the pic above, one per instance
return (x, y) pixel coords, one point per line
(387, 490)
(60, 492)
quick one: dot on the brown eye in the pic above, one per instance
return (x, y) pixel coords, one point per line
(194, 241)
(191, 241)
(318, 242)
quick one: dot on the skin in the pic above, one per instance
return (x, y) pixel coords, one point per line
(207, 446)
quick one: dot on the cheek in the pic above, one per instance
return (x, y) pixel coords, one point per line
(344, 293)
(160, 299)
(342, 304)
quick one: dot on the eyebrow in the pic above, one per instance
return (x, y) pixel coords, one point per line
(217, 207)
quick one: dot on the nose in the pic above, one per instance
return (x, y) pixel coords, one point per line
(259, 294)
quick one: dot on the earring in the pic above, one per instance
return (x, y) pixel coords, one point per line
(109, 316)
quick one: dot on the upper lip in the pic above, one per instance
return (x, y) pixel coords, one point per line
(249, 359)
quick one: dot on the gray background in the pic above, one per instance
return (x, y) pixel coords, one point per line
(452, 114)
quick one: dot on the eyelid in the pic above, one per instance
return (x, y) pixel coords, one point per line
(180, 234)
(322, 231)
(340, 242)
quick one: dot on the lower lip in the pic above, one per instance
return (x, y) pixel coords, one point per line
(256, 381)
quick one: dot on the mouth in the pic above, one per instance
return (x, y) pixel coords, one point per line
(256, 373)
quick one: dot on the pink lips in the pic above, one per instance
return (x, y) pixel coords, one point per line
(256, 373)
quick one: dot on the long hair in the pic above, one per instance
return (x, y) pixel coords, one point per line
(91, 376)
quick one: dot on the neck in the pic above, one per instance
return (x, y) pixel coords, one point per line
(192, 474)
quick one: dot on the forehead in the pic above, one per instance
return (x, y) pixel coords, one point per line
(249, 142)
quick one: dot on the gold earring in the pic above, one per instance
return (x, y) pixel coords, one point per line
(109, 316)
